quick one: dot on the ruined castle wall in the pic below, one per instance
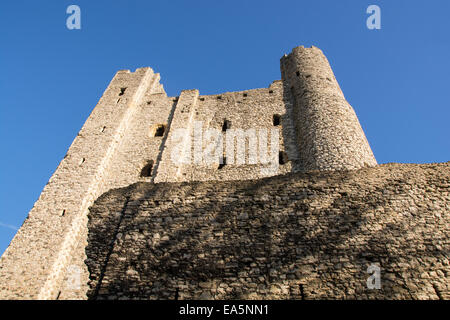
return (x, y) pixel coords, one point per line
(34, 264)
(169, 168)
(243, 111)
(328, 131)
(140, 146)
(118, 146)
(250, 112)
(135, 148)
(296, 236)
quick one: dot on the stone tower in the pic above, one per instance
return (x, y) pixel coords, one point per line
(133, 133)
(328, 132)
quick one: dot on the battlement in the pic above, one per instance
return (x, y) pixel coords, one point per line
(136, 133)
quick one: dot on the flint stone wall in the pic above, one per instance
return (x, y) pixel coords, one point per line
(297, 236)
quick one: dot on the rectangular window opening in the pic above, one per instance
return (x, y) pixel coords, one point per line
(226, 125)
(223, 164)
(282, 158)
(276, 119)
(147, 169)
(158, 130)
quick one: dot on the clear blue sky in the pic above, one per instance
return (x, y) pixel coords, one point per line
(396, 78)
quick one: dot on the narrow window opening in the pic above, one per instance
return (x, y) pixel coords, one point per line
(63, 213)
(276, 119)
(159, 130)
(122, 91)
(147, 169)
(282, 158)
(177, 295)
(223, 164)
(302, 292)
(57, 297)
(298, 74)
(226, 125)
(82, 161)
(118, 100)
(270, 91)
(103, 129)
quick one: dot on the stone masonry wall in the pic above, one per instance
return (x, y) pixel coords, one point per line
(246, 110)
(35, 263)
(295, 236)
(130, 137)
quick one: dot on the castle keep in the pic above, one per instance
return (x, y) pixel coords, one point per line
(137, 134)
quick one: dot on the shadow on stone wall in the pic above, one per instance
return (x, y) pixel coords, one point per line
(299, 236)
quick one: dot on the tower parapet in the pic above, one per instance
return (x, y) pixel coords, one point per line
(329, 134)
